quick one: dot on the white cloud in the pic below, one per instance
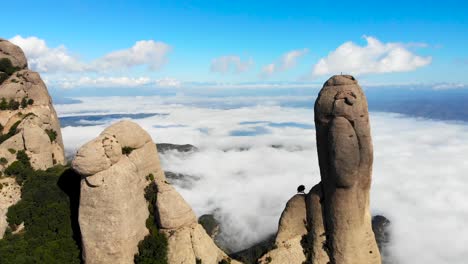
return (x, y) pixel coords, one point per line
(419, 180)
(111, 82)
(45, 59)
(286, 62)
(375, 57)
(145, 52)
(230, 63)
(101, 82)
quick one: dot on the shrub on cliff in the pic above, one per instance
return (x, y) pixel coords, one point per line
(153, 248)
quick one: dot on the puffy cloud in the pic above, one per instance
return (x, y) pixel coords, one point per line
(375, 57)
(230, 63)
(145, 52)
(45, 59)
(248, 189)
(287, 61)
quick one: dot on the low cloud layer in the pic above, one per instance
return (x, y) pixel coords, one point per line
(419, 169)
(375, 57)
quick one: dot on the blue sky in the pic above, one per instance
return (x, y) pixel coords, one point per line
(206, 42)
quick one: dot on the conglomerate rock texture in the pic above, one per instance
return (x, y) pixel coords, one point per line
(28, 121)
(338, 219)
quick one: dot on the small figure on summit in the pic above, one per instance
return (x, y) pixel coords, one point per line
(301, 189)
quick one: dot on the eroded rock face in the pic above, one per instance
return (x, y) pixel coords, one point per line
(187, 239)
(13, 53)
(116, 168)
(27, 118)
(345, 152)
(291, 229)
(113, 209)
(26, 104)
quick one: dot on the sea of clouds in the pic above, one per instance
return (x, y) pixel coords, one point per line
(419, 178)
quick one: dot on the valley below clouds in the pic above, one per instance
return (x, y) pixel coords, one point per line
(253, 152)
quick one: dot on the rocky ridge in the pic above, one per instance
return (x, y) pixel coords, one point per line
(28, 122)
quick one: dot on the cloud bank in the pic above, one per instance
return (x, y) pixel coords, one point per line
(419, 168)
(375, 57)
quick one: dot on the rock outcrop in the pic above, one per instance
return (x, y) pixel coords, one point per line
(339, 229)
(116, 168)
(345, 152)
(28, 121)
(187, 239)
(292, 228)
(113, 209)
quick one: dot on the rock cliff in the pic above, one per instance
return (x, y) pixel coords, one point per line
(336, 210)
(116, 168)
(28, 121)
(113, 209)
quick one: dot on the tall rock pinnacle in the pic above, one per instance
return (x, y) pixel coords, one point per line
(338, 220)
(345, 152)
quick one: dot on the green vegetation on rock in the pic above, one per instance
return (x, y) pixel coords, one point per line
(11, 132)
(48, 209)
(153, 248)
(21, 168)
(15, 105)
(52, 134)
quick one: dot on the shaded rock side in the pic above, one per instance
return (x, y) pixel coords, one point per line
(345, 153)
(314, 243)
(28, 120)
(291, 229)
(113, 210)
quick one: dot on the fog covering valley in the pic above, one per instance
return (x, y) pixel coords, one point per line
(253, 152)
